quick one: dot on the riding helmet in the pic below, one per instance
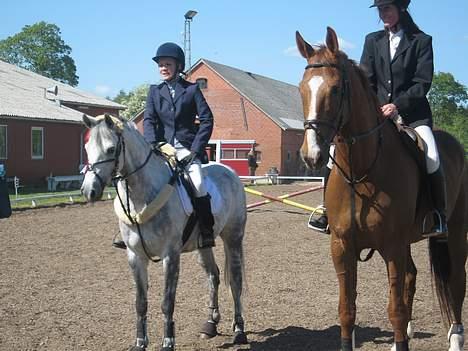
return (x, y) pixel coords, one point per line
(402, 4)
(171, 50)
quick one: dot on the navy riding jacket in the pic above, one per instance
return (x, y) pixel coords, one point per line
(167, 118)
(405, 80)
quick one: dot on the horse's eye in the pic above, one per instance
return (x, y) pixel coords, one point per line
(334, 90)
(111, 150)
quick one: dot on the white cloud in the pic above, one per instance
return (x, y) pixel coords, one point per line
(344, 45)
(102, 90)
(292, 51)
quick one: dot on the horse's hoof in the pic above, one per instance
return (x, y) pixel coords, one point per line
(208, 330)
(240, 338)
(167, 348)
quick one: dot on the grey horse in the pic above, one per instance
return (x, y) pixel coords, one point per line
(154, 220)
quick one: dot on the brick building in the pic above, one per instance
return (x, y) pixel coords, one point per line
(41, 132)
(249, 108)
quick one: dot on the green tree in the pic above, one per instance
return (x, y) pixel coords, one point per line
(40, 48)
(135, 100)
(449, 104)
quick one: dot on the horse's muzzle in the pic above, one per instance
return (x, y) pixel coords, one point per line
(91, 188)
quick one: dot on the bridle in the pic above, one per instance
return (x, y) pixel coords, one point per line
(116, 177)
(350, 178)
(119, 148)
(315, 123)
(342, 120)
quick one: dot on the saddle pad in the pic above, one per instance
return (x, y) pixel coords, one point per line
(210, 188)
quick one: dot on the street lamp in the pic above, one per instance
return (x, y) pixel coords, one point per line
(187, 41)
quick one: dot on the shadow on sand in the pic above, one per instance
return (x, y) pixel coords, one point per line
(300, 339)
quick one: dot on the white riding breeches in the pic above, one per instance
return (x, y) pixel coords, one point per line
(194, 171)
(331, 152)
(430, 148)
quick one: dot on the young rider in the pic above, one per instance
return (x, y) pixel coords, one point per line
(171, 110)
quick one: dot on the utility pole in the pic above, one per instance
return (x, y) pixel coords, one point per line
(187, 40)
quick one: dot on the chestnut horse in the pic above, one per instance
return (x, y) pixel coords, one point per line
(376, 194)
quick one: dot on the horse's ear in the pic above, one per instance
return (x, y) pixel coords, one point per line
(89, 122)
(304, 47)
(332, 40)
(109, 121)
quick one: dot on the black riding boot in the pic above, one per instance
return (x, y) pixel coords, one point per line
(321, 224)
(439, 199)
(205, 221)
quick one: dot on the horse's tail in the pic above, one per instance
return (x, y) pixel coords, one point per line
(441, 270)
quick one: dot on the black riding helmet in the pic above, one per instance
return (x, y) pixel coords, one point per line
(402, 4)
(171, 50)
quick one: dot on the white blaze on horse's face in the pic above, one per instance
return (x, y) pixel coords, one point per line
(313, 147)
(100, 147)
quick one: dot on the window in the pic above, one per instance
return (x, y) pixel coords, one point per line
(202, 83)
(37, 142)
(242, 153)
(3, 142)
(227, 153)
(238, 154)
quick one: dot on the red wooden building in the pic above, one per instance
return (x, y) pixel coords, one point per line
(249, 108)
(41, 133)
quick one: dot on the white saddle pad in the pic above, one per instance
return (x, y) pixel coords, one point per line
(211, 188)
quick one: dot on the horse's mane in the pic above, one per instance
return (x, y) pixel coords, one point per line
(364, 81)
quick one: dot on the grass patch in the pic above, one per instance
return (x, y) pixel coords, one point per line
(34, 197)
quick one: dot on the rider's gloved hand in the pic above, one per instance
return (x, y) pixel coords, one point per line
(156, 146)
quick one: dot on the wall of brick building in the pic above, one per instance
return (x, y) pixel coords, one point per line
(236, 118)
(63, 147)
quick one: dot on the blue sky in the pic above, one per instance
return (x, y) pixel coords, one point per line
(113, 40)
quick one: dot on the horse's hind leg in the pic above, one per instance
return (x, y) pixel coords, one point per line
(139, 268)
(457, 280)
(207, 261)
(345, 262)
(171, 265)
(234, 270)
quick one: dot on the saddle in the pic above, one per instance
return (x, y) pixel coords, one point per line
(413, 143)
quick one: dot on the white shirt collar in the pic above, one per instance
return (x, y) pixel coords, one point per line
(394, 39)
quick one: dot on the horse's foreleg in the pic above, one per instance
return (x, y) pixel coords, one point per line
(345, 262)
(410, 290)
(207, 261)
(397, 308)
(139, 268)
(234, 267)
(171, 264)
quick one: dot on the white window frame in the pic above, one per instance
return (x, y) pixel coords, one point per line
(37, 157)
(5, 157)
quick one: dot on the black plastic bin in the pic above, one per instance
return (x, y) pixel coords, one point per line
(5, 207)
